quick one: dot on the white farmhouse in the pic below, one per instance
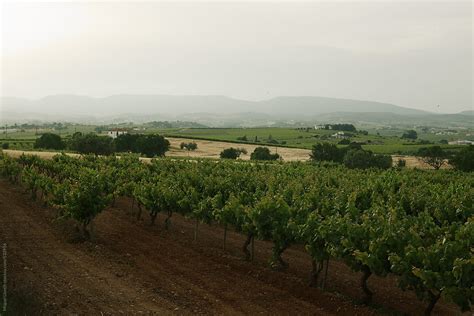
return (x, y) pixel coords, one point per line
(116, 132)
(461, 142)
(340, 135)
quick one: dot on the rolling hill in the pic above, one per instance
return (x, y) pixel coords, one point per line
(167, 104)
(214, 110)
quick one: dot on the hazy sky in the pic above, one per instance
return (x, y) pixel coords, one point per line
(412, 54)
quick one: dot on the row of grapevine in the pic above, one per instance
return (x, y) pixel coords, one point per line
(418, 225)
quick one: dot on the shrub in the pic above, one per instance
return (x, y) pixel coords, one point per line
(91, 144)
(327, 152)
(411, 134)
(464, 159)
(382, 161)
(84, 200)
(49, 141)
(363, 159)
(354, 145)
(424, 142)
(340, 127)
(263, 153)
(189, 146)
(149, 145)
(152, 145)
(401, 163)
(232, 153)
(126, 143)
(433, 156)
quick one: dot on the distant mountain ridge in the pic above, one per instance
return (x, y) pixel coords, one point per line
(318, 105)
(211, 110)
(177, 104)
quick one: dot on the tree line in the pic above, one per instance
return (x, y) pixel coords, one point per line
(149, 145)
(259, 153)
(352, 156)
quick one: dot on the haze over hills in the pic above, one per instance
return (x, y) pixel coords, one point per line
(177, 104)
(213, 110)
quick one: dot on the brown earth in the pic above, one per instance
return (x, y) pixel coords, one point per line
(415, 162)
(212, 149)
(133, 268)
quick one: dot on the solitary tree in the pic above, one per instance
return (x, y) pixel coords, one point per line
(411, 134)
(189, 146)
(263, 153)
(152, 145)
(401, 163)
(232, 153)
(433, 156)
(49, 141)
(464, 159)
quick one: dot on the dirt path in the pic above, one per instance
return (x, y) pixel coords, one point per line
(135, 269)
(132, 268)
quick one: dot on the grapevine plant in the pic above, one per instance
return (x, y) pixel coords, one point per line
(415, 224)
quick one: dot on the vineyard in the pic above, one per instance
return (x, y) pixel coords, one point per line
(417, 225)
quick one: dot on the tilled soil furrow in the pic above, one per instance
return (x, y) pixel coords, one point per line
(132, 268)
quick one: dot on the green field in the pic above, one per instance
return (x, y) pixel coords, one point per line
(386, 140)
(388, 144)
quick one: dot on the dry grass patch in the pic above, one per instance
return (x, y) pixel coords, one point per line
(212, 149)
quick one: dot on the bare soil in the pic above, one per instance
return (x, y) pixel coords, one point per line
(415, 162)
(212, 149)
(133, 268)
